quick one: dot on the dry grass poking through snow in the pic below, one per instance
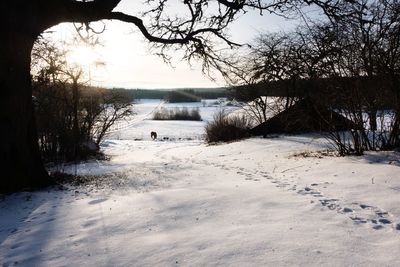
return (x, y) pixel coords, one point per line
(137, 180)
(315, 154)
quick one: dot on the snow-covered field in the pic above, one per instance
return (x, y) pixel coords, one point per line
(181, 202)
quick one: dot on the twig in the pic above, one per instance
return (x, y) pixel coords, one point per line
(292, 168)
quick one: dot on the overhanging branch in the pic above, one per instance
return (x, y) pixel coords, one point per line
(190, 36)
(139, 23)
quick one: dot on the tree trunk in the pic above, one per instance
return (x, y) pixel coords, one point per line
(20, 159)
(76, 131)
(21, 22)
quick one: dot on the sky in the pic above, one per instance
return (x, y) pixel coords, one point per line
(130, 64)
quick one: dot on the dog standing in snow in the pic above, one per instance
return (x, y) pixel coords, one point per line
(153, 135)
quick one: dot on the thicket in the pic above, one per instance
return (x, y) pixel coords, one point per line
(227, 127)
(184, 113)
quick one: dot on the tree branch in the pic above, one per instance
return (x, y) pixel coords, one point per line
(139, 23)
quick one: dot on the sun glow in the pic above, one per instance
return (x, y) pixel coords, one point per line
(83, 56)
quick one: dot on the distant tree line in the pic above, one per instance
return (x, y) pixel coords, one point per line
(141, 93)
(174, 95)
(179, 96)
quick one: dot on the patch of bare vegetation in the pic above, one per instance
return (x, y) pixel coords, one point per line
(225, 128)
(138, 180)
(182, 114)
(112, 180)
(315, 154)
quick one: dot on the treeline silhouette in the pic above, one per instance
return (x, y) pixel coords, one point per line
(174, 95)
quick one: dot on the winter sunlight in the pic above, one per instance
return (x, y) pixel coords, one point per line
(83, 55)
(200, 133)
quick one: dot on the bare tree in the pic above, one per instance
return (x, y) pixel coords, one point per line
(113, 107)
(350, 64)
(370, 56)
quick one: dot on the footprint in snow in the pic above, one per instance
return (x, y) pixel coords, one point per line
(384, 221)
(97, 201)
(89, 223)
(347, 210)
(316, 194)
(329, 203)
(377, 217)
(281, 185)
(377, 227)
(381, 213)
(17, 245)
(50, 220)
(309, 191)
(363, 206)
(358, 220)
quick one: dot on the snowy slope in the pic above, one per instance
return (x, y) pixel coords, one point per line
(181, 202)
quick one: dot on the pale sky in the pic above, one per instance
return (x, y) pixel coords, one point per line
(129, 64)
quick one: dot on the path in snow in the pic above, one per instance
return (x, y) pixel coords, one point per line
(359, 213)
(196, 205)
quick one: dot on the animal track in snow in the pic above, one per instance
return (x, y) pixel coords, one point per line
(359, 213)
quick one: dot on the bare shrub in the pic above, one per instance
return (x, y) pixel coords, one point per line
(72, 119)
(97, 110)
(226, 127)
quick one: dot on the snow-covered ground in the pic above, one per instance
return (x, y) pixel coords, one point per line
(181, 202)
